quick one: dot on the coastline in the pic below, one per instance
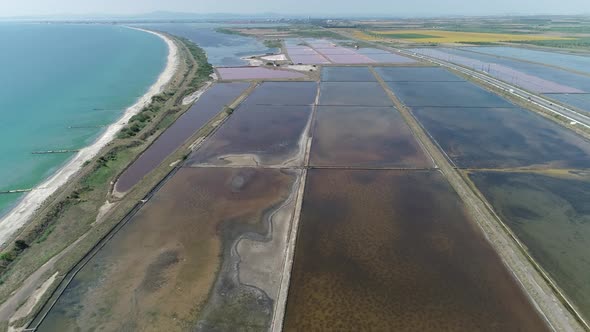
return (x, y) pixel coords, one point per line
(20, 214)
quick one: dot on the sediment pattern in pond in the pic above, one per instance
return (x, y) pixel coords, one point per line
(394, 251)
(176, 266)
(257, 135)
(550, 214)
(502, 138)
(364, 137)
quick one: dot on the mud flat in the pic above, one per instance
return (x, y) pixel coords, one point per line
(177, 265)
(257, 135)
(550, 214)
(395, 251)
(204, 109)
(364, 137)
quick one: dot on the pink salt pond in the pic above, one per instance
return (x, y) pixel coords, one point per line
(255, 73)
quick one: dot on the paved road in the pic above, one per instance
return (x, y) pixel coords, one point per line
(539, 101)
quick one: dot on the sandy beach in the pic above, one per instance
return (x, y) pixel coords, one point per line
(25, 209)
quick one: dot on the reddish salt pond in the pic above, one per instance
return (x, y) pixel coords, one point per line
(255, 73)
(339, 54)
(305, 55)
(336, 50)
(301, 50)
(524, 80)
(308, 59)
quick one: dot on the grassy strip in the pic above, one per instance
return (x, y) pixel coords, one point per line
(582, 42)
(315, 33)
(71, 212)
(273, 43)
(204, 68)
(140, 120)
(404, 35)
(229, 31)
(304, 31)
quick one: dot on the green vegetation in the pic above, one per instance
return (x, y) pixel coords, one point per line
(569, 29)
(316, 33)
(229, 31)
(273, 43)
(479, 43)
(303, 30)
(140, 120)
(405, 36)
(582, 42)
(204, 68)
(484, 28)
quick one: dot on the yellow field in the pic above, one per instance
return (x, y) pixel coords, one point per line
(439, 36)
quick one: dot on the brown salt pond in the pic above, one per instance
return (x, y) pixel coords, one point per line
(203, 110)
(395, 251)
(185, 261)
(364, 137)
(257, 135)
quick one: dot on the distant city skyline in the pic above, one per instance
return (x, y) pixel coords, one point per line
(299, 7)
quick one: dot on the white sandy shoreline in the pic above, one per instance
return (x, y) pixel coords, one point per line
(24, 210)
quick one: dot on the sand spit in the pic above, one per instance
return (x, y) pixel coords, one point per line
(20, 214)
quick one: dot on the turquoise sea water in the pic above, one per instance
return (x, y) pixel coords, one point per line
(56, 76)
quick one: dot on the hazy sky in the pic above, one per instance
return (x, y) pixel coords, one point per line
(319, 7)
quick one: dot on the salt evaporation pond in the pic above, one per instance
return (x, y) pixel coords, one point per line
(203, 110)
(396, 251)
(256, 73)
(573, 62)
(550, 214)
